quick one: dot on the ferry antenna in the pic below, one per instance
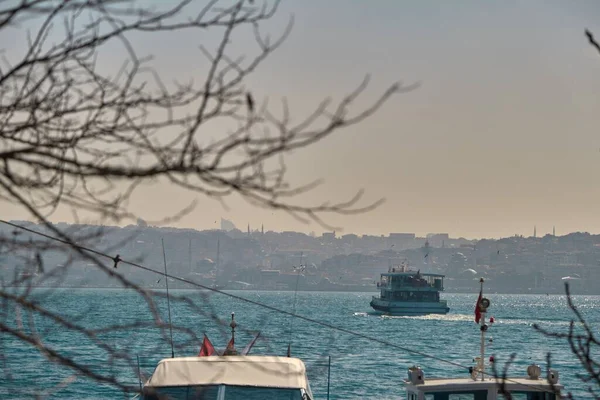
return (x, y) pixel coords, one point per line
(168, 299)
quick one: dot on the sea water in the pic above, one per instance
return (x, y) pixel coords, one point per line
(360, 368)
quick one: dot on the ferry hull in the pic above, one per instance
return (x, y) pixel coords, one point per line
(407, 308)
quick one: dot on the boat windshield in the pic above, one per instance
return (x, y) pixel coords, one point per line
(225, 392)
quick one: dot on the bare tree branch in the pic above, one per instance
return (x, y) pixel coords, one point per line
(73, 135)
(592, 41)
(584, 346)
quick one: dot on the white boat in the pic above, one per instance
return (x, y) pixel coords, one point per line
(530, 388)
(481, 384)
(228, 376)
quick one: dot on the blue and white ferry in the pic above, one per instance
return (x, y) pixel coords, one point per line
(409, 292)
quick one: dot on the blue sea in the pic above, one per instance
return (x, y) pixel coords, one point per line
(360, 368)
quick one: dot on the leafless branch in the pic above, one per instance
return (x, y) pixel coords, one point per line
(75, 136)
(592, 40)
(583, 344)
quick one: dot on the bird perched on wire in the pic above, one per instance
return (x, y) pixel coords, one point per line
(116, 260)
(250, 102)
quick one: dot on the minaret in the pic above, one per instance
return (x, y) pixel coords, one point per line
(426, 250)
(534, 231)
(248, 229)
(554, 231)
(218, 257)
(262, 229)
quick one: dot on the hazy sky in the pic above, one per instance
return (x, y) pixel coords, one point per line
(503, 134)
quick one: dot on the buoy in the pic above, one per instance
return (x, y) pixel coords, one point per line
(491, 359)
(491, 320)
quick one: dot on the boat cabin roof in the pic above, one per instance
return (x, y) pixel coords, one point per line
(442, 387)
(258, 371)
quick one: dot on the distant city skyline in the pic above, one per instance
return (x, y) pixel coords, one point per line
(533, 233)
(501, 136)
(228, 225)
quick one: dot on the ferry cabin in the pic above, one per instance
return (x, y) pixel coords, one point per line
(411, 286)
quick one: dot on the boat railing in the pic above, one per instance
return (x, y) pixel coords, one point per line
(442, 302)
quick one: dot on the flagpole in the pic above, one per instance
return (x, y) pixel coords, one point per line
(482, 329)
(230, 350)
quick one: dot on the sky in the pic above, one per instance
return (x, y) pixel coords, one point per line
(501, 136)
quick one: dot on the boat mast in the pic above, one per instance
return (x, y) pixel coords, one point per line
(168, 300)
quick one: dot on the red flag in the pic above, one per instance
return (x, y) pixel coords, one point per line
(477, 310)
(207, 348)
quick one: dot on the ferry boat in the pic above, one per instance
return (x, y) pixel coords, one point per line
(228, 374)
(408, 292)
(479, 384)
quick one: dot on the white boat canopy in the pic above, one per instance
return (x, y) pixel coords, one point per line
(257, 371)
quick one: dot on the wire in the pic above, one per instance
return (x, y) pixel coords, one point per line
(256, 303)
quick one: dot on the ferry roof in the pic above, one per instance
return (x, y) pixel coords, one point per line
(262, 371)
(411, 273)
(468, 384)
